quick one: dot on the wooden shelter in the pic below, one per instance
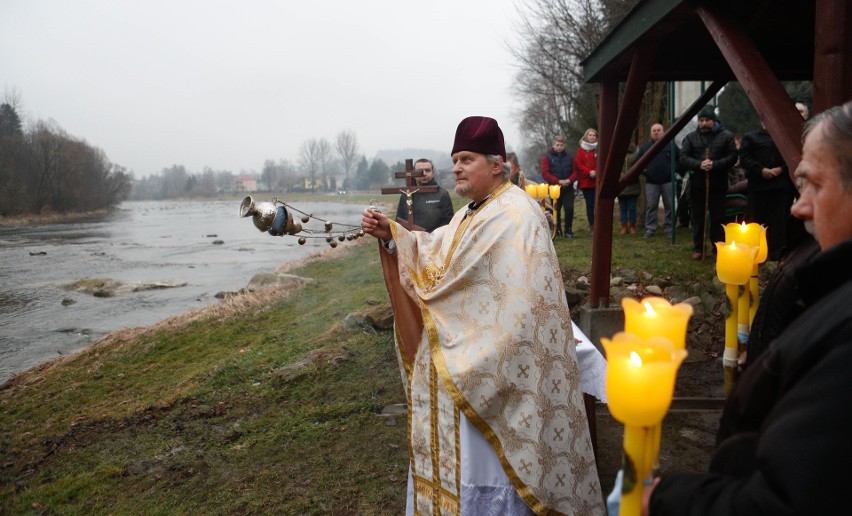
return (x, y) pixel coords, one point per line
(755, 42)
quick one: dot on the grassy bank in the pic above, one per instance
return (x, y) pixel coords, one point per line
(268, 406)
(208, 417)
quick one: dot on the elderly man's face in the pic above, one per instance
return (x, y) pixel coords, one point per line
(475, 176)
(656, 132)
(823, 200)
(428, 172)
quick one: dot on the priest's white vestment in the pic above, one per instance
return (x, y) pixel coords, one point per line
(496, 421)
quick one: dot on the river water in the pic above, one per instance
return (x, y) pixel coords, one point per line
(140, 242)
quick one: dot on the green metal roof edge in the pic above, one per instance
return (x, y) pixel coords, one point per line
(642, 18)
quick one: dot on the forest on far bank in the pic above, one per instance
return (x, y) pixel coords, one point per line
(43, 170)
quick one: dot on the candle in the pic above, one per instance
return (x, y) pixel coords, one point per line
(639, 384)
(532, 190)
(656, 317)
(555, 190)
(640, 377)
(734, 262)
(542, 190)
(743, 233)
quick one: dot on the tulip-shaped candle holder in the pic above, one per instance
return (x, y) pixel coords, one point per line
(656, 317)
(750, 234)
(555, 191)
(734, 264)
(640, 382)
(532, 190)
(542, 190)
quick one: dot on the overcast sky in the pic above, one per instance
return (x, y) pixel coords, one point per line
(228, 84)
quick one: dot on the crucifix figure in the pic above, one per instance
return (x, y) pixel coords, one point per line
(409, 190)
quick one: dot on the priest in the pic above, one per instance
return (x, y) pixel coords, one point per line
(487, 355)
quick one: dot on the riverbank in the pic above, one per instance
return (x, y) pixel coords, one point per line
(269, 404)
(49, 218)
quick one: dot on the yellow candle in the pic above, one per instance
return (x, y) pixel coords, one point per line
(555, 190)
(743, 233)
(656, 317)
(734, 262)
(542, 190)
(636, 449)
(640, 377)
(751, 234)
(532, 190)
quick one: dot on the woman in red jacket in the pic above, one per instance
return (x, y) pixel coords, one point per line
(585, 165)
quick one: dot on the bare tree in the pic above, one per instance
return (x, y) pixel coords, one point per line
(309, 157)
(324, 160)
(555, 36)
(347, 151)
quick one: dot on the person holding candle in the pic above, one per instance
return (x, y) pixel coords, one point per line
(497, 423)
(783, 443)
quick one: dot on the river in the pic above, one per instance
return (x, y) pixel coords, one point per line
(140, 242)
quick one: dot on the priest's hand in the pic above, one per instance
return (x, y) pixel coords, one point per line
(376, 224)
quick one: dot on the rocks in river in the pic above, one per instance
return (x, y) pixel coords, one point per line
(68, 301)
(104, 287)
(38, 253)
(218, 242)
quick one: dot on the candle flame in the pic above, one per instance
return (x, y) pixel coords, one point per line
(635, 359)
(649, 309)
(743, 227)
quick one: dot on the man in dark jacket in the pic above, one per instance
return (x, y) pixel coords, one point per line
(770, 189)
(557, 169)
(658, 182)
(783, 445)
(707, 154)
(431, 209)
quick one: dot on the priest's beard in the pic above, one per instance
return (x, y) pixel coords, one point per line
(463, 189)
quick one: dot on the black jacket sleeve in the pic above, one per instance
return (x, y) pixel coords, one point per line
(798, 463)
(687, 160)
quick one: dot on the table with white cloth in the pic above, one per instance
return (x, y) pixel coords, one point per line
(592, 365)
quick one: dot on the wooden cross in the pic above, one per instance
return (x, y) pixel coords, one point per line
(410, 189)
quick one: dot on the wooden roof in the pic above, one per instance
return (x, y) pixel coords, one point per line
(782, 31)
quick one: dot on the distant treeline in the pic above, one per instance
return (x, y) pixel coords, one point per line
(45, 170)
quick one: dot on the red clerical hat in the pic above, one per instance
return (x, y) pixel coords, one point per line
(479, 134)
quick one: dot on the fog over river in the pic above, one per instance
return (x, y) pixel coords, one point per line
(141, 242)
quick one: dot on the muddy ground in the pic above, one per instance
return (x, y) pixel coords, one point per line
(689, 429)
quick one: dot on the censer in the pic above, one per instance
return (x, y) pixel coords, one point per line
(277, 218)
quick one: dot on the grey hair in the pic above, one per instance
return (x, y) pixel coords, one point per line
(495, 158)
(836, 125)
